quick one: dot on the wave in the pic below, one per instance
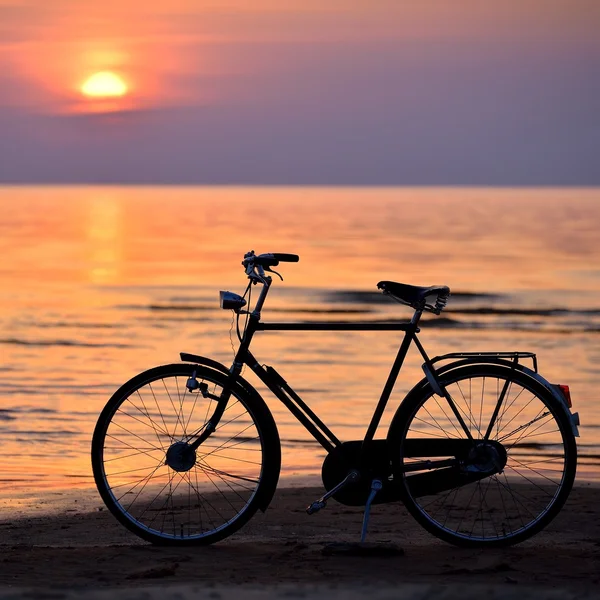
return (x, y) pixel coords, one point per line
(368, 297)
(542, 328)
(362, 296)
(26, 409)
(7, 415)
(271, 309)
(38, 432)
(295, 443)
(213, 296)
(321, 311)
(528, 312)
(77, 325)
(74, 343)
(186, 307)
(166, 307)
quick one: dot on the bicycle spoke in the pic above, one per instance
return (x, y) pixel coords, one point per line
(181, 402)
(174, 409)
(145, 480)
(460, 504)
(556, 483)
(146, 413)
(533, 433)
(128, 431)
(447, 417)
(145, 460)
(230, 475)
(144, 424)
(159, 411)
(470, 413)
(129, 446)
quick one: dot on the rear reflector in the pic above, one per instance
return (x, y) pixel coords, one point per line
(566, 393)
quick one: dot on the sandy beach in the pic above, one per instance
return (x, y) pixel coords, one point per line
(285, 549)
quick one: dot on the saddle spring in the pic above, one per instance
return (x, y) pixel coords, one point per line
(440, 304)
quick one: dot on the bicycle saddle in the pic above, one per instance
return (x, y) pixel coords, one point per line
(412, 294)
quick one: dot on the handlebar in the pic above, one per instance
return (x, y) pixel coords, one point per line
(280, 257)
(256, 265)
(270, 259)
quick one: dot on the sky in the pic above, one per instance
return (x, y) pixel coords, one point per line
(302, 92)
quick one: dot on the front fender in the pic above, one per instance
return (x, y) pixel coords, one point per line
(204, 361)
(217, 366)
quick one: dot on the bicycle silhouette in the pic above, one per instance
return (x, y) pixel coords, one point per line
(481, 451)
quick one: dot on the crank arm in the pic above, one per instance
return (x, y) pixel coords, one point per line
(316, 506)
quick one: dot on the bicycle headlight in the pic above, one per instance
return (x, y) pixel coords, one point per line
(231, 301)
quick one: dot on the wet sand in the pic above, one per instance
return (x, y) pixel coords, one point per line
(83, 549)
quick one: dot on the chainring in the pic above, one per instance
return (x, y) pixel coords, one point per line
(377, 465)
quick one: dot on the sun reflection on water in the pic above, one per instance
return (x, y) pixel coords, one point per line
(104, 235)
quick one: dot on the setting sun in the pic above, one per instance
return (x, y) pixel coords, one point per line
(104, 84)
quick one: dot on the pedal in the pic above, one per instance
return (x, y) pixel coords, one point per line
(376, 486)
(315, 507)
(322, 502)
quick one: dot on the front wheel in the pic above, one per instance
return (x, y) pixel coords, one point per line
(498, 477)
(152, 478)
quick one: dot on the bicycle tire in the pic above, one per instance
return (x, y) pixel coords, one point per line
(505, 507)
(150, 480)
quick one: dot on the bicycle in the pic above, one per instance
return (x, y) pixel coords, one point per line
(481, 451)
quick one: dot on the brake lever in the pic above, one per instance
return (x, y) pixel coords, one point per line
(271, 271)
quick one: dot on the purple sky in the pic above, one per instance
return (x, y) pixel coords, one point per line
(431, 92)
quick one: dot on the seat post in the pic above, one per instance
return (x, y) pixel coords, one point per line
(416, 317)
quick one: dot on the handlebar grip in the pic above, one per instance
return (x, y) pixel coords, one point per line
(285, 257)
(272, 259)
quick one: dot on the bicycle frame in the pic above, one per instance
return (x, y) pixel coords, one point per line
(308, 418)
(420, 457)
(280, 388)
(284, 392)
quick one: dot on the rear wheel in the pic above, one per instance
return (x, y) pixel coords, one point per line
(501, 483)
(162, 488)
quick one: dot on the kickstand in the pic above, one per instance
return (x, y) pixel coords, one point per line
(376, 485)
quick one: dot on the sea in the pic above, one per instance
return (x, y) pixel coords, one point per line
(99, 283)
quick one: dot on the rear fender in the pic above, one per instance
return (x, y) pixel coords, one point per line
(557, 393)
(553, 389)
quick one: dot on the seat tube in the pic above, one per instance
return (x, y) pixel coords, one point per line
(391, 380)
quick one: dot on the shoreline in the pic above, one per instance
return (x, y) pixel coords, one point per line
(284, 546)
(56, 501)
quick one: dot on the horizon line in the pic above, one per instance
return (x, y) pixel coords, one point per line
(83, 184)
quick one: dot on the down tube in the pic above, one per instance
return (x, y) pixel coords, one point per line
(299, 409)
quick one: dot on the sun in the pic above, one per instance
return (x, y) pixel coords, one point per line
(104, 84)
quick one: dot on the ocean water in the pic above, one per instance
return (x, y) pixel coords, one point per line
(100, 283)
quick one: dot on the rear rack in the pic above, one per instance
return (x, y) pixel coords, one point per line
(514, 356)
